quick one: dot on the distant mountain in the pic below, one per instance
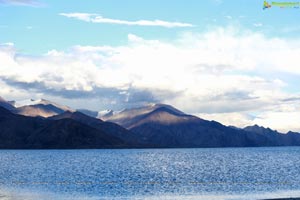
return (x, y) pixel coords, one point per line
(260, 130)
(108, 127)
(17, 131)
(95, 114)
(68, 133)
(88, 112)
(105, 114)
(6, 104)
(28, 102)
(43, 124)
(128, 117)
(288, 139)
(42, 108)
(163, 125)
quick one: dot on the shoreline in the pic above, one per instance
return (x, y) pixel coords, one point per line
(24, 194)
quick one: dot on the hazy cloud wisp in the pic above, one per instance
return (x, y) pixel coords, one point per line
(95, 18)
(31, 3)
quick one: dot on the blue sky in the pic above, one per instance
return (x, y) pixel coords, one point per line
(225, 60)
(38, 28)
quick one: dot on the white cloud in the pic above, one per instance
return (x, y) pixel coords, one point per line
(95, 18)
(276, 120)
(223, 74)
(81, 16)
(282, 115)
(7, 44)
(258, 24)
(281, 121)
(237, 119)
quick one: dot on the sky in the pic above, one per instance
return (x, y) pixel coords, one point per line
(224, 60)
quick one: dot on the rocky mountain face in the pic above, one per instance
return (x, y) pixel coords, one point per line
(41, 108)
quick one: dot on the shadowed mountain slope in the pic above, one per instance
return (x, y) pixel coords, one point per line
(22, 132)
(109, 127)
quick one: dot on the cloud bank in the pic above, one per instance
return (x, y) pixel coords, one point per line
(233, 76)
(95, 18)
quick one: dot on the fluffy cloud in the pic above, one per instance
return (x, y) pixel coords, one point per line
(225, 74)
(282, 121)
(95, 18)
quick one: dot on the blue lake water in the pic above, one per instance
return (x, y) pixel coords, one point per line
(217, 173)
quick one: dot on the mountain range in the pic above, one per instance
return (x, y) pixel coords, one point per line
(42, 124)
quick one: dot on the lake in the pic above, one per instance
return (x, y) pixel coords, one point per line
(212, 173)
